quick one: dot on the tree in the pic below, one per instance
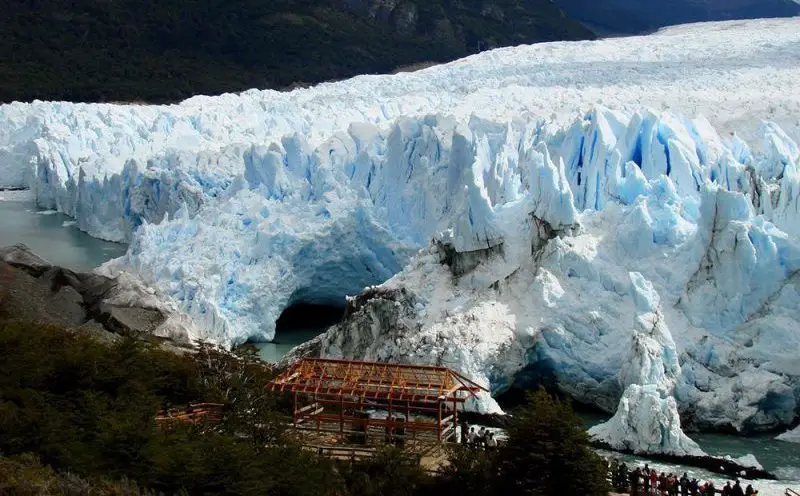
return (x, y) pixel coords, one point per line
(548, 453)
(391, 472)
(467, 472)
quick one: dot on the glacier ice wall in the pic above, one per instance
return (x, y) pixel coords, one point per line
(543, 290)
(531, 202)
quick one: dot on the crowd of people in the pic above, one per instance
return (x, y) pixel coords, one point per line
(483, 439)
(644, 481)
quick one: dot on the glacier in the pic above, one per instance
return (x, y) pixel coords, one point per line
(494, 208)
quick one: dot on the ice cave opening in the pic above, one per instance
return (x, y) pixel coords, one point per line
(300, 317)
(298, 323)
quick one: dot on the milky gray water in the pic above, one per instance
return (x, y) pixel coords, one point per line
(51, 235)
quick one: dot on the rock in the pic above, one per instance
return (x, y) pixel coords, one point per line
(31, 288)
(130, 320)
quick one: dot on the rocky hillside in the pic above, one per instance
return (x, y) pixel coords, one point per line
(129, 50)
(635, 16)
(32, 289)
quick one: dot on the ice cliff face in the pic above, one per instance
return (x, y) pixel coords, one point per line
(506, 197)
(541, 290)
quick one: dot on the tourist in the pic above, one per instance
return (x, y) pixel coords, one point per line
(710, 489)
(613, 472)
(673, 485)
(622, 477)
(683, 482)
(491, 442)
(749, 490)
(654, 481)
(481, 439)
(464, 433)
(694, 487)
(472, 438)
(634, 480)
(646, 476)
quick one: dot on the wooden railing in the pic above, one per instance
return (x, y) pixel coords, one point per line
(791, 492)
(343, 452)
(194, 413)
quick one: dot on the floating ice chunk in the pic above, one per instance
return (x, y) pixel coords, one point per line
(749, 460)
(792, 436)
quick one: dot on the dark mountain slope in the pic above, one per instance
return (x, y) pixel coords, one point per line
(98, 50)
(635, 16)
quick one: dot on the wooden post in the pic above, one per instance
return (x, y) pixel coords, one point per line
(341, 415)
(408, 419)
(316, 404)
(455, 420)
(439, 420)
(294, 409)
(390, 420)
(366, 420)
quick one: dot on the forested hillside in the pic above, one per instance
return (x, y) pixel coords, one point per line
(127, 50)
(636, 16)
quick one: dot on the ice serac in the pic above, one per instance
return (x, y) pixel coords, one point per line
(647, 419)
(494, 207)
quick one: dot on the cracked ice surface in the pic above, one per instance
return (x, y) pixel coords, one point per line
(544, 174)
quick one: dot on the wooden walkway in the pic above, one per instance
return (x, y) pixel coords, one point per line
(194, 413)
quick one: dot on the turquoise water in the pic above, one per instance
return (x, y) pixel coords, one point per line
(284, 342)
(50, 235)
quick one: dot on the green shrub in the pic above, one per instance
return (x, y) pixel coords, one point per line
(547, 453)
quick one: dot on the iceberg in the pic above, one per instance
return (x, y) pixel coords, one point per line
(749, 460)
(485, 215)
(792, 436)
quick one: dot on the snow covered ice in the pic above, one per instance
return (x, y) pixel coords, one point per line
(501, 203)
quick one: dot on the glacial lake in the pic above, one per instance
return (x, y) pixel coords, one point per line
(51, 235)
